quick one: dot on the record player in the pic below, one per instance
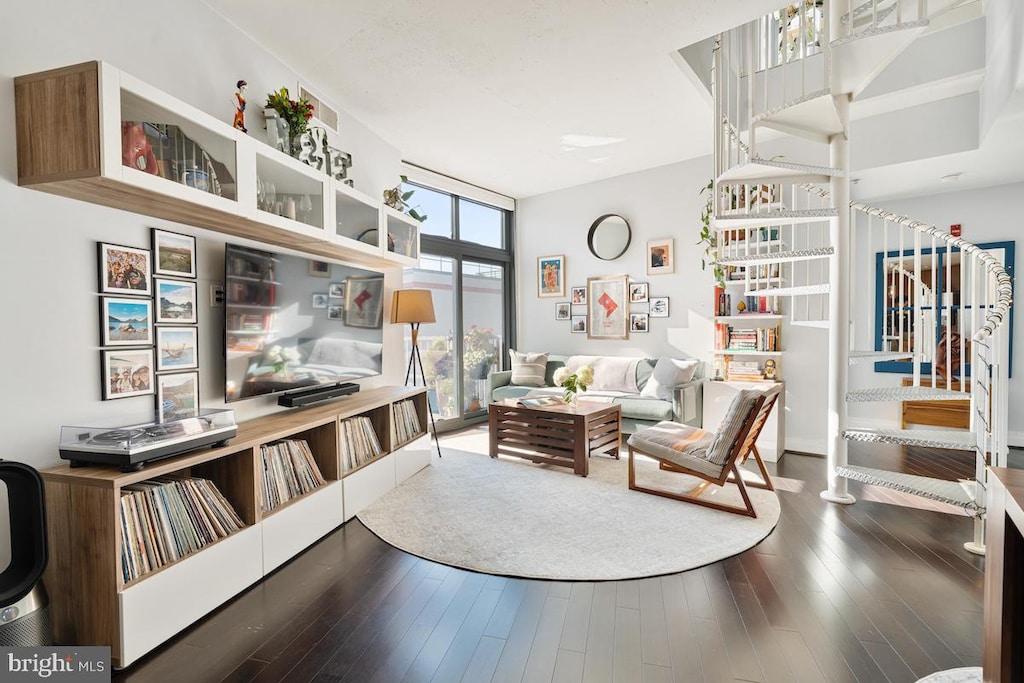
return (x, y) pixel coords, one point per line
(132, 446)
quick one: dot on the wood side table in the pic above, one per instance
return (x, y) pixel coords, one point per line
(556, 435)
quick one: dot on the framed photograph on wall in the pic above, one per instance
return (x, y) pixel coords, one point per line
(579, 296)
(320, 300)
(173, 254)
(364, 301)
(658, 307)
(638, 292)
(127, 372)
(638, 322)
(125, 322)
(175, 301)
(661, 256)
(336, 290)
(124, 270)
(177, 348)
(177, 395)
(563, 310)
(551, 275)
(319, 268)
(336, 312)
(579, 324)
(608, 307)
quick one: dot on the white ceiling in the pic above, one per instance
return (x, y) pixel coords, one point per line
(519, 97)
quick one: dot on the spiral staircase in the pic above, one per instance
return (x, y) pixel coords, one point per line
(785, 82)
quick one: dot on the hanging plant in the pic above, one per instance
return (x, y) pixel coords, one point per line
(708, 237)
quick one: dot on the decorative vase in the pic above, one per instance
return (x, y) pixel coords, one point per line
(571, 399)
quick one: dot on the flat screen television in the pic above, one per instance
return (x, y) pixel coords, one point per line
(294, 323)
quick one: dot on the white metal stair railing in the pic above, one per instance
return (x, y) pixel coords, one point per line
(780, 73)
(946, 300)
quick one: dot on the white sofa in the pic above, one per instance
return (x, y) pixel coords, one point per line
(623, 380)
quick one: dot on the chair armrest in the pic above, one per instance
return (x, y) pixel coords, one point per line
(688, 402)
(497, 379)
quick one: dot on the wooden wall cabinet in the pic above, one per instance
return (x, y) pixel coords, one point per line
(91, 602)
(69, 139)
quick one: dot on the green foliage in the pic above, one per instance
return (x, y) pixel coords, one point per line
(396, 199)
(708, 237)
(296, 112)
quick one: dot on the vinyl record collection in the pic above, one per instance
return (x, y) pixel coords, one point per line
(407, 423)
(359, 443)
(289, 470)
(166, 518)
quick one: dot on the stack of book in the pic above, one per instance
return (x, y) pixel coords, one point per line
(166, 518)
(359, 444)
(289, 470)
(407, 422)
(748, 370)
(723, 302)
(736, 339)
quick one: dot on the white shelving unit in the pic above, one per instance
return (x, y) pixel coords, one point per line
(69, 124)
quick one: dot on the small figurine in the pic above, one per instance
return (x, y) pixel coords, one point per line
(769, 369)
(239, 101)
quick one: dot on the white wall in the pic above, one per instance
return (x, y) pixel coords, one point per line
(658, 202)
(50, 346)
(987, 215)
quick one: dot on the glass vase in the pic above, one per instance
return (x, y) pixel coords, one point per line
(571, 399)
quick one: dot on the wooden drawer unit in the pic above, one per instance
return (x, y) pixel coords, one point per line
(947, 414)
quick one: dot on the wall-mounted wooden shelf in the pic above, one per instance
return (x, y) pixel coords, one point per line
(69, 136)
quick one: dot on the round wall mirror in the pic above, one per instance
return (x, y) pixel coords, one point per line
(609, 237)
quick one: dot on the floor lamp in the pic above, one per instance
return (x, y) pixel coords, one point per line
(415, 306)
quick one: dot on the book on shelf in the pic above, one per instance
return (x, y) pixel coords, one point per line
(289, 471)
(728, 338)
(166, 518)
(407, 422)
(359, 443)
(540, 401)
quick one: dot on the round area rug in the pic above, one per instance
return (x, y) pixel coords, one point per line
(515, 518)
(966, 674)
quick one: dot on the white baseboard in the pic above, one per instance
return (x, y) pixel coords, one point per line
(811, 446)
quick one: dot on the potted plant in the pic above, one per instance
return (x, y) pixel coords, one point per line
(296, 113)
(396, 199)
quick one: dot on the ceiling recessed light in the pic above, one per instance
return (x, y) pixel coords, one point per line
(952, 177)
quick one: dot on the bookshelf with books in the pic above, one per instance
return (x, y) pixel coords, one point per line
(126, 547)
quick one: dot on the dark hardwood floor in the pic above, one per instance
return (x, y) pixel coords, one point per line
(868, 592)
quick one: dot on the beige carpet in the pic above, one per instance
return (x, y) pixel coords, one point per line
(515, 518)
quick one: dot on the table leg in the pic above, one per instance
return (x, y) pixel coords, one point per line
(492, 431)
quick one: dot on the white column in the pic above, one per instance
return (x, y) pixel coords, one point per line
(838, 313)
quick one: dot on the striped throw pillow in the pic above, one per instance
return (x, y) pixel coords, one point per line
(739, 410)
(528, 368)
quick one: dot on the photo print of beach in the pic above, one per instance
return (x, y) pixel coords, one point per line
(175, 301)
(127, 372)
(177, 348)
(126, 322)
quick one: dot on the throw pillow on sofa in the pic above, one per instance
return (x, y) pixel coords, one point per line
(668, 373)
(528, 368)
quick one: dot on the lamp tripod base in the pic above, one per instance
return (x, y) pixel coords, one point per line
(415, 360)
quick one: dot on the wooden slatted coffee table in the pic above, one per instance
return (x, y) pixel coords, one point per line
(556, 435)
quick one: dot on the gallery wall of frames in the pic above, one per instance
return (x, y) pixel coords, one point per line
(149, 331)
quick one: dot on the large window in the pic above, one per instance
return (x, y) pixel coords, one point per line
(466, 262)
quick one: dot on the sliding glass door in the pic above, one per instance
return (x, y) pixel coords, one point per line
(466, 264)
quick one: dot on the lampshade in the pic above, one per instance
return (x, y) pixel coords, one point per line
(412, 306)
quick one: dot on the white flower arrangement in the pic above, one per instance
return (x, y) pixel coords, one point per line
(281, 357)
(573, 382)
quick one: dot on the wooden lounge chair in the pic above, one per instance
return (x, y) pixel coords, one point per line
(714, 457)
